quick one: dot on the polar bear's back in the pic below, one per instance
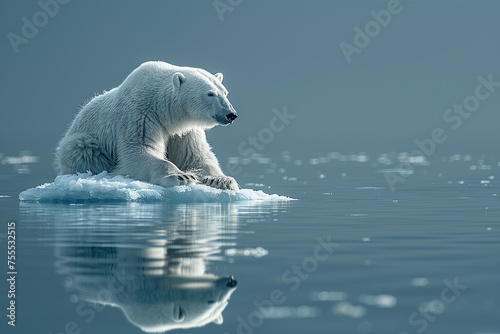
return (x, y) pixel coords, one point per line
(99, 111)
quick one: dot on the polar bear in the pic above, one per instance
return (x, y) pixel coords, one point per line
(152, 128)
(146, 284)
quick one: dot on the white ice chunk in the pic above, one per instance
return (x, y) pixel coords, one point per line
(101, 187)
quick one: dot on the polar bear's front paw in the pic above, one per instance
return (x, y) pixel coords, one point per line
(221, 182)
(179, 179)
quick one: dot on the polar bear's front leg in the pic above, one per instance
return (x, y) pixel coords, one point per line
(146, 166)
(191, 152)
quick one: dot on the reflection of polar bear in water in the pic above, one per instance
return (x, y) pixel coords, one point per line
(138, 282)
(160, 282)
(152, 128)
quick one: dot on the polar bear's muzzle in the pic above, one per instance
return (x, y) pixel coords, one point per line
(225, 114)
(231, 116)
(228, 118)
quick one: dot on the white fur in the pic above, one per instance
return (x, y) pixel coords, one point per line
(152, 128)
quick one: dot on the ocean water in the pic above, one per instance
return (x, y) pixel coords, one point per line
(371, 244)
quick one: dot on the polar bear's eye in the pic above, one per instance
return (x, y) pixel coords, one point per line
(179, 314)
(211, 94)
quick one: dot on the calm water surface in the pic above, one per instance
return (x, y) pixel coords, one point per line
(348, 256)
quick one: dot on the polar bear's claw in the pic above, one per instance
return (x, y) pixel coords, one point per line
(186, 178)
(221, 182)
(180, 179)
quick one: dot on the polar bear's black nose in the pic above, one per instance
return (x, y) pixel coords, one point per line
(231, 117)
(232, 282)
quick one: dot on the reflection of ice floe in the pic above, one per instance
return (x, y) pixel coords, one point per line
(256, 252)
(20, 163)
(401, 171)
(281, 312)
(480, 167)
(101, 187)
(402, 157)
(434, 306)
(419, 281)
(382, 301)
(328, 296)
(349, 310)
(344, 308)
(360, 157)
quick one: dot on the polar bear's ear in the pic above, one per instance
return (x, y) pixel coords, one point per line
(178, 79)
(219, 76)
(219, 320)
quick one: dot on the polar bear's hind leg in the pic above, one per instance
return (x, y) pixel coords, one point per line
(79, 153)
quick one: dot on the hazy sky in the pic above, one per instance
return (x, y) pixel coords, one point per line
(396, 88)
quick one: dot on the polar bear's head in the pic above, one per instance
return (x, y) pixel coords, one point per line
(203, 97)
(180, 302)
